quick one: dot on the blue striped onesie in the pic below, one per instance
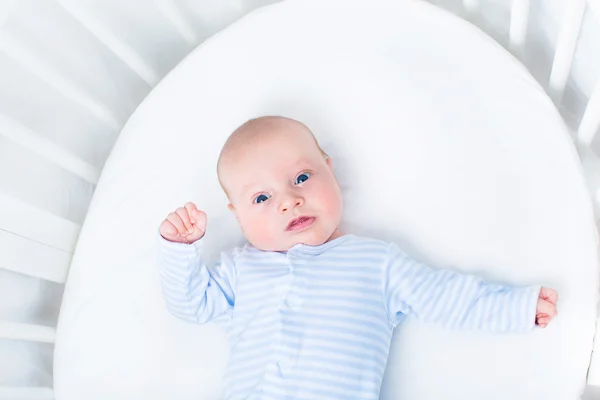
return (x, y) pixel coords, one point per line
(316, 322)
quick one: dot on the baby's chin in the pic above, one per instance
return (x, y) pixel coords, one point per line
(306, 238)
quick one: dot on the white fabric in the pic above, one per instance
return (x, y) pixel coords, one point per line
(442, 142)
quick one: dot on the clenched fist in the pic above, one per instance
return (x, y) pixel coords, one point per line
(546, 307)
(186, 225)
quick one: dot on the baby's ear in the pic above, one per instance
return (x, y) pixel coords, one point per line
(231, 208)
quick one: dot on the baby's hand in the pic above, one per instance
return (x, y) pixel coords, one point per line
(186, 225)
(546, 307)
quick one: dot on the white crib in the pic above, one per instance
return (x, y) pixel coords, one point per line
(73, 71)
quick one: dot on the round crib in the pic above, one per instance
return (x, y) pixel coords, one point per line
(73, 71)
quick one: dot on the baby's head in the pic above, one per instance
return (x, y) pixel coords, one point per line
(280, 184)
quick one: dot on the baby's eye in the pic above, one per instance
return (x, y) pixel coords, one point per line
(302, 177)
(261, 198)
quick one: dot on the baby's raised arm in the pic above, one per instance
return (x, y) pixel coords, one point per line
(192, 291)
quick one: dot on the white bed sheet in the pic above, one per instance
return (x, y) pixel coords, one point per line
(441, 141)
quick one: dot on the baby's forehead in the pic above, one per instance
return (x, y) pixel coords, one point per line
(246, 175)
(271, 166)
(276, 151)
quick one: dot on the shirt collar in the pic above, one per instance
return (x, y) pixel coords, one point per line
(309, 250)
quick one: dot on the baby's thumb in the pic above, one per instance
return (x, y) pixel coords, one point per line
(169, 232)
(199, 222)
(199, 218)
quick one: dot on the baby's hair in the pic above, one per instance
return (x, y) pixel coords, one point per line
(253, 130)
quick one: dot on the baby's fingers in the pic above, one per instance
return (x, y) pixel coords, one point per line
(545, 312)
(543, 321)
(549, 294)
(192, 210)
(175, 219)
(200, 218)
(185, 219)
(168, 230)
(547, 308)
(197, 217)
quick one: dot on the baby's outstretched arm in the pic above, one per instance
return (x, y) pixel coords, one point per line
(461, 300)
(192, 292)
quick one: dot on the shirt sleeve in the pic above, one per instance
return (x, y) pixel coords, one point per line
(192, 291)
(453, 299)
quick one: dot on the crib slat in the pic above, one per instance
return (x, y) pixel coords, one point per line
(595, 7)
(471, 6)
(38, 67)
(519, 20)
(174, 14)
(593, 376)
(29, 332)
(26, 393)
(121, 49)
(47, 149)
(33, 223)
(31, 258)
(590, 123)
(565, 48)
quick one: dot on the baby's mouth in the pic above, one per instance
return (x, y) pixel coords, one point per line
(300, 223)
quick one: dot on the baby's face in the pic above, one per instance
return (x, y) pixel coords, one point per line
(283, 192)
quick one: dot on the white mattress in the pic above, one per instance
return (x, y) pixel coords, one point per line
(441, 142)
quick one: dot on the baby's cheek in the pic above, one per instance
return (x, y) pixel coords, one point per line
(332, 201)
(260, 231)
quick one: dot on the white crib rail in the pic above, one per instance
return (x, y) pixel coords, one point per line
(36, 143)
(39, 241)
(471, 6)
(32, 258)
(519, 20)
(173, 12)
(565, 49)
(23, 220)
(590, 123)
(120, 48)
(29, 332)
(28, 60)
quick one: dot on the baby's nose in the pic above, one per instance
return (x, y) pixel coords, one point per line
(290, 203)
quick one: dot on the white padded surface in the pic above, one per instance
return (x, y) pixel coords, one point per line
(441, 142)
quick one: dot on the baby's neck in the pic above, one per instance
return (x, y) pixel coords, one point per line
(336, 234)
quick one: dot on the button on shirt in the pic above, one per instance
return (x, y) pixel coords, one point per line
(316, 322)
(292, 300)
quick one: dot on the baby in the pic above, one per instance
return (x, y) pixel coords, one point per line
(311, 310)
